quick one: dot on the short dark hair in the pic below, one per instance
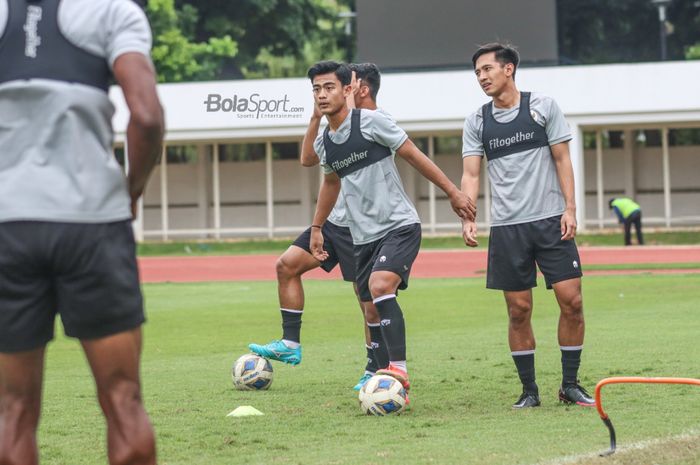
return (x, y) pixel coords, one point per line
(369, 73)
(505, 53)
(610, 203)
(341, 71)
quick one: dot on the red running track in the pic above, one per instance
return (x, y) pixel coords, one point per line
(429, 264)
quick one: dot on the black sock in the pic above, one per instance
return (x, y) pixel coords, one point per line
(570, 361)
(392, 326)
(525, 363)
(371, 361)
(381, 355)
(291, 324)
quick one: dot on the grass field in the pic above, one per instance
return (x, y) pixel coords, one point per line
(462, 374)
(438, 242)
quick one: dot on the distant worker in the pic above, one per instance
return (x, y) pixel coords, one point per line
(628, 212)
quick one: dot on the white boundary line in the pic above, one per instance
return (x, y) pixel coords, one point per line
(640, 445)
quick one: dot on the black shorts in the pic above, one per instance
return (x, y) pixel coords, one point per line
(514, 250)
(394, 252)
(337, 241)
(87, 273)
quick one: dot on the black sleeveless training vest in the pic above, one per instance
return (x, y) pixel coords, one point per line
(519, 135)
(33, 47)
(356, 152)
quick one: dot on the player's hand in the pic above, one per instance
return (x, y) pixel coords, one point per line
(463, 206)
(568, 225)
(355, 83)
(469, 233)
(316, 245)
(317, 111)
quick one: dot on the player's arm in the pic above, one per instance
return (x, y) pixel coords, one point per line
(565, 173)
(144, 133)
(462, 205)
(471, 169)
(327, 196)
(620, 218)
(309, 157)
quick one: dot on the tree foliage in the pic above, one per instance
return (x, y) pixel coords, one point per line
(276, 38)
(693, 52)
(176, 55)
(218, 39)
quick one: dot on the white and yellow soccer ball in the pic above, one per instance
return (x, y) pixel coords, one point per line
(382, 395)
(252, 373)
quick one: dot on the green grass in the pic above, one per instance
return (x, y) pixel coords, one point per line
(462, 374)
(276, 246)
(643, 266)
(634, 267)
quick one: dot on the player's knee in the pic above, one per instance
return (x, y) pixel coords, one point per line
(573, 306)
(285, 269)
(380, 287)
(519, 312)
(577, 303)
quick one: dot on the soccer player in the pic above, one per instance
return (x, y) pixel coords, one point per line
(525, 139)
(356, 150)
(66, 210)
(297, 259)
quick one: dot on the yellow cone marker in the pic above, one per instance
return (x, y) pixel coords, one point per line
(244, 411)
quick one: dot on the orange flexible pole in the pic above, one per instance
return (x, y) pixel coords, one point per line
(629, 379)
(636, 379)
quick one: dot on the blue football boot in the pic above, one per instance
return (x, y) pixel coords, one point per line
(362, 381)
(278, 350)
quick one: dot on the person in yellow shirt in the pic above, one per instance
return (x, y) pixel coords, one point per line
(628, 212)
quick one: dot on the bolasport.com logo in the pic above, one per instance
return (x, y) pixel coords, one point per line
(253, 106)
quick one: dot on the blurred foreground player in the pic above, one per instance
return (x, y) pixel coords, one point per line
(66, 242)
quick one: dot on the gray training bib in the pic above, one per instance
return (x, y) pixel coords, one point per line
(520, 134)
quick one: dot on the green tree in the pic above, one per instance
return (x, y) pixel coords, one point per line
(693, 52)
(276, 38)
(176, 56)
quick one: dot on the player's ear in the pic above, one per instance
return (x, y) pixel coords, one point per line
(509, 69)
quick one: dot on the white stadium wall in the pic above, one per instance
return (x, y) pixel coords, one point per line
(270, 194)
(647, 184)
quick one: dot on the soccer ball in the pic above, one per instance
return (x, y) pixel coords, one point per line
(252, 373)
(382, 395)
